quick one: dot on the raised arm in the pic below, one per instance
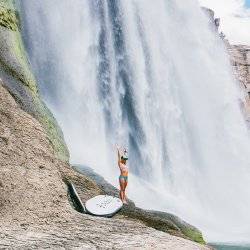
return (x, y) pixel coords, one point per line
(119, 155)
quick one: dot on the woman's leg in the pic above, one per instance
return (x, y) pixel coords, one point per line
(122, 194)
(125, 185)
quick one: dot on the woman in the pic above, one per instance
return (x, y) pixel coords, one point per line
(123, 178)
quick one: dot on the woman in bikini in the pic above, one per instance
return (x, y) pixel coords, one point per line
(123, 178)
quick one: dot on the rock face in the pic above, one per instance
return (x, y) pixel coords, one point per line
(214, 22)
(19, 80)
(34, 208)
(240, 60)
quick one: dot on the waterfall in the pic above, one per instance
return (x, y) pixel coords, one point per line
(152, 76)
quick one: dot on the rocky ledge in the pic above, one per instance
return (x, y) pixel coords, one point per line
(159, 220)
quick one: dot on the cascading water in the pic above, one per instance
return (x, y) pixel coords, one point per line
(151, 75)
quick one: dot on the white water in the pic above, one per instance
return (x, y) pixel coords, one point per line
(150, 75)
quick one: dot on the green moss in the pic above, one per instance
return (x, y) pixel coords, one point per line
(8, 15)
(8, 20)
(168, 223)
(21, 71)
(194, 235)
(27, 77)
(54, 132)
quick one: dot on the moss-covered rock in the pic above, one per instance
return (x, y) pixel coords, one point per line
(194, 235)
(8, 15)
(19, 80)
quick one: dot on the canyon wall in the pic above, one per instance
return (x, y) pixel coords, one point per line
(240, 60)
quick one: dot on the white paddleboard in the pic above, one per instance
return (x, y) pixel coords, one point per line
(103, 205)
